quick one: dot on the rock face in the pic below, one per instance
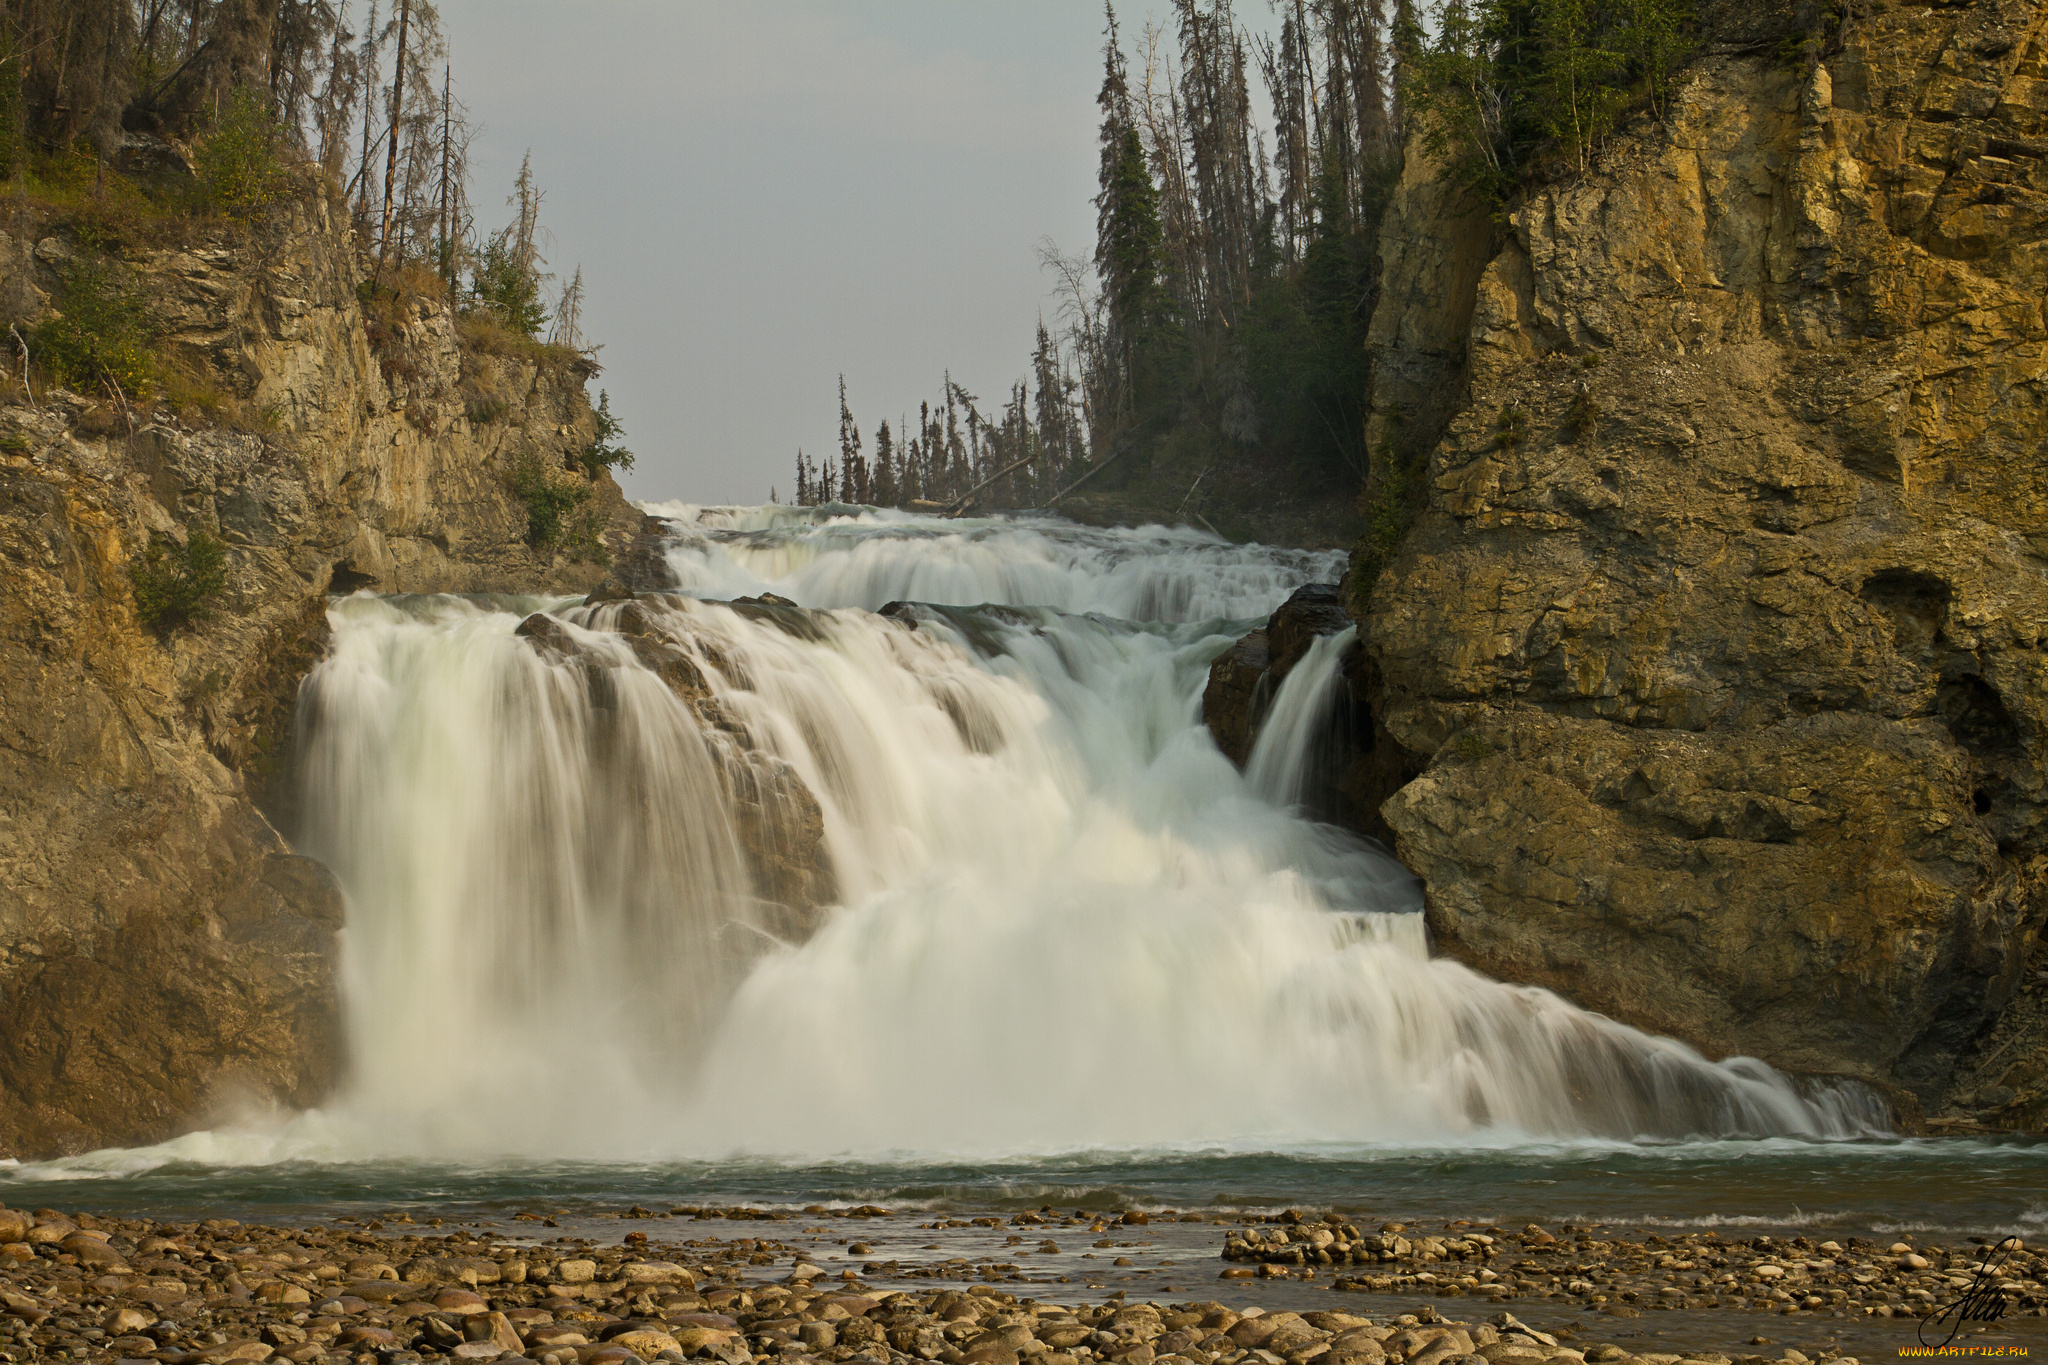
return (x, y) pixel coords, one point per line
(1365, 765)
(164, 957)
(1724, 617)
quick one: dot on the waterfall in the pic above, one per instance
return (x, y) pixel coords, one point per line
(1062, 919)
(1284, 757)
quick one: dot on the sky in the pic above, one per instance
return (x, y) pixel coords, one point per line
(765, 194)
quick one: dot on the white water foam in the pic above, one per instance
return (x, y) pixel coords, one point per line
(864, 557)
(1065, 922)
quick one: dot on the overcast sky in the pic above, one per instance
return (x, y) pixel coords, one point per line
(765, 193)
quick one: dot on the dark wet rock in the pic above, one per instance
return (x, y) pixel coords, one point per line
(1359, 764)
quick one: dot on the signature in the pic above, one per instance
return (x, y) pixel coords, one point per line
(1981, 1302)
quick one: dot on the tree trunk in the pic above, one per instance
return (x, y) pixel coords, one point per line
(397, 109)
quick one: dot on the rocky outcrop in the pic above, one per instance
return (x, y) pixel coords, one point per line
(1363, 764)
(164, 956)
(1723, 617)
(777, 820)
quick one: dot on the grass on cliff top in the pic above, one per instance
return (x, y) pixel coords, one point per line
(239, 175)
(487, 334)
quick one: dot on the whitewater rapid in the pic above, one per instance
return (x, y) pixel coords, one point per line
(862, 557)
(1064, 922)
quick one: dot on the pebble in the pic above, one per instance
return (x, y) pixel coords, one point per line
(94, 1290)
(1612, 1274)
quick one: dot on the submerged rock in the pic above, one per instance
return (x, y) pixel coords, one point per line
(1359, 764)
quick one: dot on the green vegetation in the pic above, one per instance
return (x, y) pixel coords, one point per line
(502, 288)
(1471, 747)
(1510, 427)
(1211, 350)
(1214, 347)
(127, 126)
(606, 452)
(1500, 87)
(176, 585)
(557, 517)
(1384, 502)
(236, 165)
(505, 276)
(1582, 415)
(485, 409)
(100, 338)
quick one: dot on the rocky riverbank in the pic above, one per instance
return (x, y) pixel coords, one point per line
(86, 1288)
(1604, 1272)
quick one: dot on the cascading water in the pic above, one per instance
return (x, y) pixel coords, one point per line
(864, 558)
(1064, 920)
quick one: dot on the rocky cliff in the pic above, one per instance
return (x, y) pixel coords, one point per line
(164, 956)
(1722, 615)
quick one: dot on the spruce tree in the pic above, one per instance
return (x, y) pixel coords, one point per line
(885, 467)
(1129, 242)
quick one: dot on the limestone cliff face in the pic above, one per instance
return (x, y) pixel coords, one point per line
(1724, 617)
(165, 958)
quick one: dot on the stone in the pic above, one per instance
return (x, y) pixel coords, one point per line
(364, 1335)
(94, 1252)
(576, 1271)
(646, 1342)
(694, 1341)
(124, 1321)
(495, 1328)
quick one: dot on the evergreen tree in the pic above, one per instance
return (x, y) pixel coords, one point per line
(885, 467)
(1129, 240)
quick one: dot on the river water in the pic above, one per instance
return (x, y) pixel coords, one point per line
(1077, 959)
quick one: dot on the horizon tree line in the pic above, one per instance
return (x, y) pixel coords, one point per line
(1221, 318)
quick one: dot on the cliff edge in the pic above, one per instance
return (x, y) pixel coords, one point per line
(165, 958)
(1722, 615)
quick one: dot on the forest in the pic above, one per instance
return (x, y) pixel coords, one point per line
(1212, 350)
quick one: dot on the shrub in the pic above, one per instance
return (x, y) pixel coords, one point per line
(100, 338)
(1471, 747)
(549, 499)
(176, 585)
(1509, 427)
(606, 452)
(1582, 415)
(236, 164)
